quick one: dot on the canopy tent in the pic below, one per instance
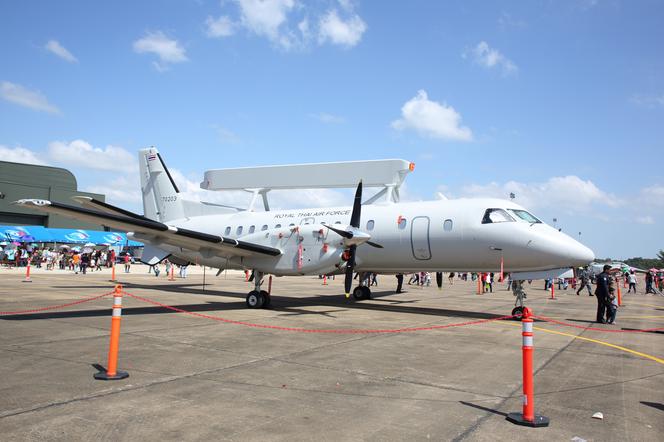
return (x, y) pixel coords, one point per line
(30, 234)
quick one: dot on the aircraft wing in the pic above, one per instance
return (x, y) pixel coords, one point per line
(154, 231)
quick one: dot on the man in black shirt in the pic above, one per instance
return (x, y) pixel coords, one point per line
(602, 293)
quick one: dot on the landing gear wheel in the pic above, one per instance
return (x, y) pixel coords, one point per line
(267, 299)
(358, 293)
(366, 292)
(517, 312)
(254, 299)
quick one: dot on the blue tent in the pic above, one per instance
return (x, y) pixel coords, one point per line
(29, 234)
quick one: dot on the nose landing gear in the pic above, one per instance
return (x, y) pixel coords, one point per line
(517, 290)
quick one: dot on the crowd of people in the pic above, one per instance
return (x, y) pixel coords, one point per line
(62, 258)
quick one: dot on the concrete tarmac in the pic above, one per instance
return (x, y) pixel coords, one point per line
(194, 378)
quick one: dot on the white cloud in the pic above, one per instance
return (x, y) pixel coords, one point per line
(652, 196)
(82, 153)
(119, 189)
(56, 48)
(20, 155)
(566, 192)
(326, 118)
(220, 27)
(27, 98)
(506, 20)
(334, 29)
(266, 17)
(167, 50)
(432, 119)
(290, 24)
(650, 101)
(645, 220)
(488, 57)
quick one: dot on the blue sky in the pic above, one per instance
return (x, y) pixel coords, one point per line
(561, 102)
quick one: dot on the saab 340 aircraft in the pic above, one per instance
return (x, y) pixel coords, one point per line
(387, 237)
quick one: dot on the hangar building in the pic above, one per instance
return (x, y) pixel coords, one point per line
(18, 181)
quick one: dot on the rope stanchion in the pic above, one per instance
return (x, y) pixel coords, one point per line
(528, 417)
(113, 278)
(27, 273)
(269, 285)
(324, 279)
(553, 292)
(172, 273)
(479, 284)
(309, 330)
(619, 296)
(112, 373)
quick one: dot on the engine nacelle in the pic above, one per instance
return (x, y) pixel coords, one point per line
(307, 250)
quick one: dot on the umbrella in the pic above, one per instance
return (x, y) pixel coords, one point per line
(3, 243)
(63, 246)
(87, 250)
(89, 244)
(76, 249)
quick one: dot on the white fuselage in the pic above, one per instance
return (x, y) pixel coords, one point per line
(442, 235)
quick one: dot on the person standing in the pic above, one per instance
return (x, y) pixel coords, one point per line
(127, 262)
(585, 282)
(611, 304)
(399, 282)
(602, 292)
(631, 278)
(85, 262)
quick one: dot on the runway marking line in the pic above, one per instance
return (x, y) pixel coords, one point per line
(643, 305)
(596, 341)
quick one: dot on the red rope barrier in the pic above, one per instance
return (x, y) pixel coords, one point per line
(608, 330)
(54, 307)
(309, 330)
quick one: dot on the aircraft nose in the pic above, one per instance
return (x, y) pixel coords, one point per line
(579, 254)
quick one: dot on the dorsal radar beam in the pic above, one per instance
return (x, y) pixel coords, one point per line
(387, 175)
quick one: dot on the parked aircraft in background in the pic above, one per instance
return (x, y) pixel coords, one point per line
(388, 237)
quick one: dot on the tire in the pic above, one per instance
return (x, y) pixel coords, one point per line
(366, 292)
(517, 312)
(358, 293)
(254, 299)
(267, 299)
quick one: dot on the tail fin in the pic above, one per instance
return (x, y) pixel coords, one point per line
(161, 197)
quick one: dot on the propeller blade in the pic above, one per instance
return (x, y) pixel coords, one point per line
(340, 232)
(439, 279)
(357, 207)
(373, 244)
(350, 265)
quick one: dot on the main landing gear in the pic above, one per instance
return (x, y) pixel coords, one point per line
(258, 298)
(362, 291)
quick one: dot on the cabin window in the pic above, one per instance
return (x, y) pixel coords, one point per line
(291, 225)
(447, 225)
(227, 231)
(264, 227)
(370, 225)
(252, 229)
(496, 216)
(402, 223)
(337, 222)
(277, 226)
(238, 231)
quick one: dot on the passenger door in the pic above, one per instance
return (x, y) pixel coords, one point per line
(419, 238)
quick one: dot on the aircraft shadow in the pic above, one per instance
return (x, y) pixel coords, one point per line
(285, 305)
(656, 405)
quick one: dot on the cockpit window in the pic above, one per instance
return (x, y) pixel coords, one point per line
(525, 216)
(496, 216)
